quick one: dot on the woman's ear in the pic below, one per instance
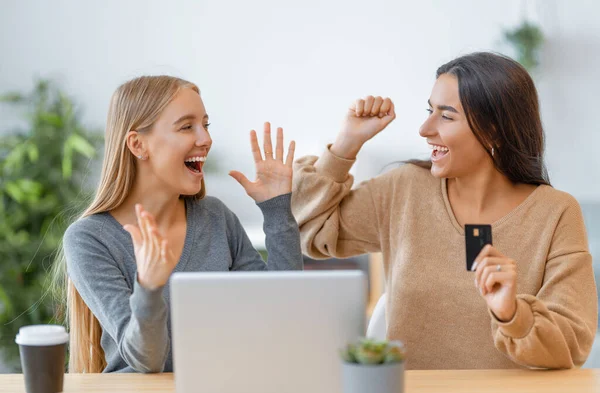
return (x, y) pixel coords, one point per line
(136, 144)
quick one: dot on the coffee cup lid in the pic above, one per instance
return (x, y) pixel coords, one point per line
(42, 335)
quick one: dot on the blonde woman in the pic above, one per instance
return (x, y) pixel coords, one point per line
(151, 217)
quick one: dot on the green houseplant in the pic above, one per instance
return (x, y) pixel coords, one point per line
(373, 366)
(527, 40)
(42, 165)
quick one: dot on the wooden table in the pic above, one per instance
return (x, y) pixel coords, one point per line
(476, 381)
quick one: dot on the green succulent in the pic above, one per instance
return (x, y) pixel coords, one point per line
(368, 351)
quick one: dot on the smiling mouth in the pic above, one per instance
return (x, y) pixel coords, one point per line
(438, 151)
(195, 164)
(195, 167)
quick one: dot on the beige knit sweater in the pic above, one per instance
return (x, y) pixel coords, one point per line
(433, 305)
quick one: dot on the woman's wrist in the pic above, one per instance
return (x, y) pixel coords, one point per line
(345, 147)
(505, 316)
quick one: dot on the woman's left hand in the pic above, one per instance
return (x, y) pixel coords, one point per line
(273, 176)
(496, 280)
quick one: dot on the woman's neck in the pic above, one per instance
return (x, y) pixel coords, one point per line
(164, 206)
(485, 196)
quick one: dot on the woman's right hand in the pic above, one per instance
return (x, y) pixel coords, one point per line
(154, 259)
(365, 118)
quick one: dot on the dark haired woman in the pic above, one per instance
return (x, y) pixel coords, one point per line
(531, 300)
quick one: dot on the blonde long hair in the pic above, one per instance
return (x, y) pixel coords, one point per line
(135, 105)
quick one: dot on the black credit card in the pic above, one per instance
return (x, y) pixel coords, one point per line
(476, 237)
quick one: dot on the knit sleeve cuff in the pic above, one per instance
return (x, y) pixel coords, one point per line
(147, 304)
(277, 213)
(522, 321)
(333, 166)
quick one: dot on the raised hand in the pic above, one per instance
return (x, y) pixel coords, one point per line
(154, 259)
(273, 175)
(365, 119)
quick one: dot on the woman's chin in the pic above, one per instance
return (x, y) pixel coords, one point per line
(438, 171)
(191, 191)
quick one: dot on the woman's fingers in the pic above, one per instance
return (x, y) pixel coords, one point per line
(487, 251)
(359, 107)
(279, 147)
(386, 106)
(375, 110)
(391, 114)
(165, 253)
(498, 278)
(152, 252)
(254, 146)
(268, 146)
(151, 221)
(242, 179)
(156, 241)
(147, 225)
(155, 237)
(489, 267)
(163, 250)
(138, 213)
(374, 107)
(290, 156)
(484, 263)
(369, 100)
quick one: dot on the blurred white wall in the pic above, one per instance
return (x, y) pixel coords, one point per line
(299, 64)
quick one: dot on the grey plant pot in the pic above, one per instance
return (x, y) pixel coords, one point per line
(379, 378)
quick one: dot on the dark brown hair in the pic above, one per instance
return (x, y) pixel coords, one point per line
(501, 106)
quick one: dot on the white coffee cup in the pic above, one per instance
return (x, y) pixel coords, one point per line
(42, 349)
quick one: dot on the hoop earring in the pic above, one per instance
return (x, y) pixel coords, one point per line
(492, 152)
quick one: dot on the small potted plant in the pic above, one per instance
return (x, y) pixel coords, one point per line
(373, 366)
(527, 40)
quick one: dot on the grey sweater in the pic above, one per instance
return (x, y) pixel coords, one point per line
(136, 326)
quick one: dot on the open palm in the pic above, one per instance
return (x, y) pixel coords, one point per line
(273, 175)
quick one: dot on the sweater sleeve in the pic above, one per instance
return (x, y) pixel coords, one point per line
(282, 239)
(556, 328)
(135, 318)
(334, 219)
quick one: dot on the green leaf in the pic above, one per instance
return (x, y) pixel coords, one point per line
(7, 306)
(12, 97)
(32, 189)
(68, 107)
(526, 40)
(14, 159)
(67, 161)
(82, 146)
(33, 153)
(14, 191)
(52, 119)
(23, 190)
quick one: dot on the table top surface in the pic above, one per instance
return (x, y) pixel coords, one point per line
(447, 381)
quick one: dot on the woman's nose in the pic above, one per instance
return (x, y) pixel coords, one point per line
(427, 129)
(203, 139)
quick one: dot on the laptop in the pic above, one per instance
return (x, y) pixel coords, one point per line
(264, 332)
